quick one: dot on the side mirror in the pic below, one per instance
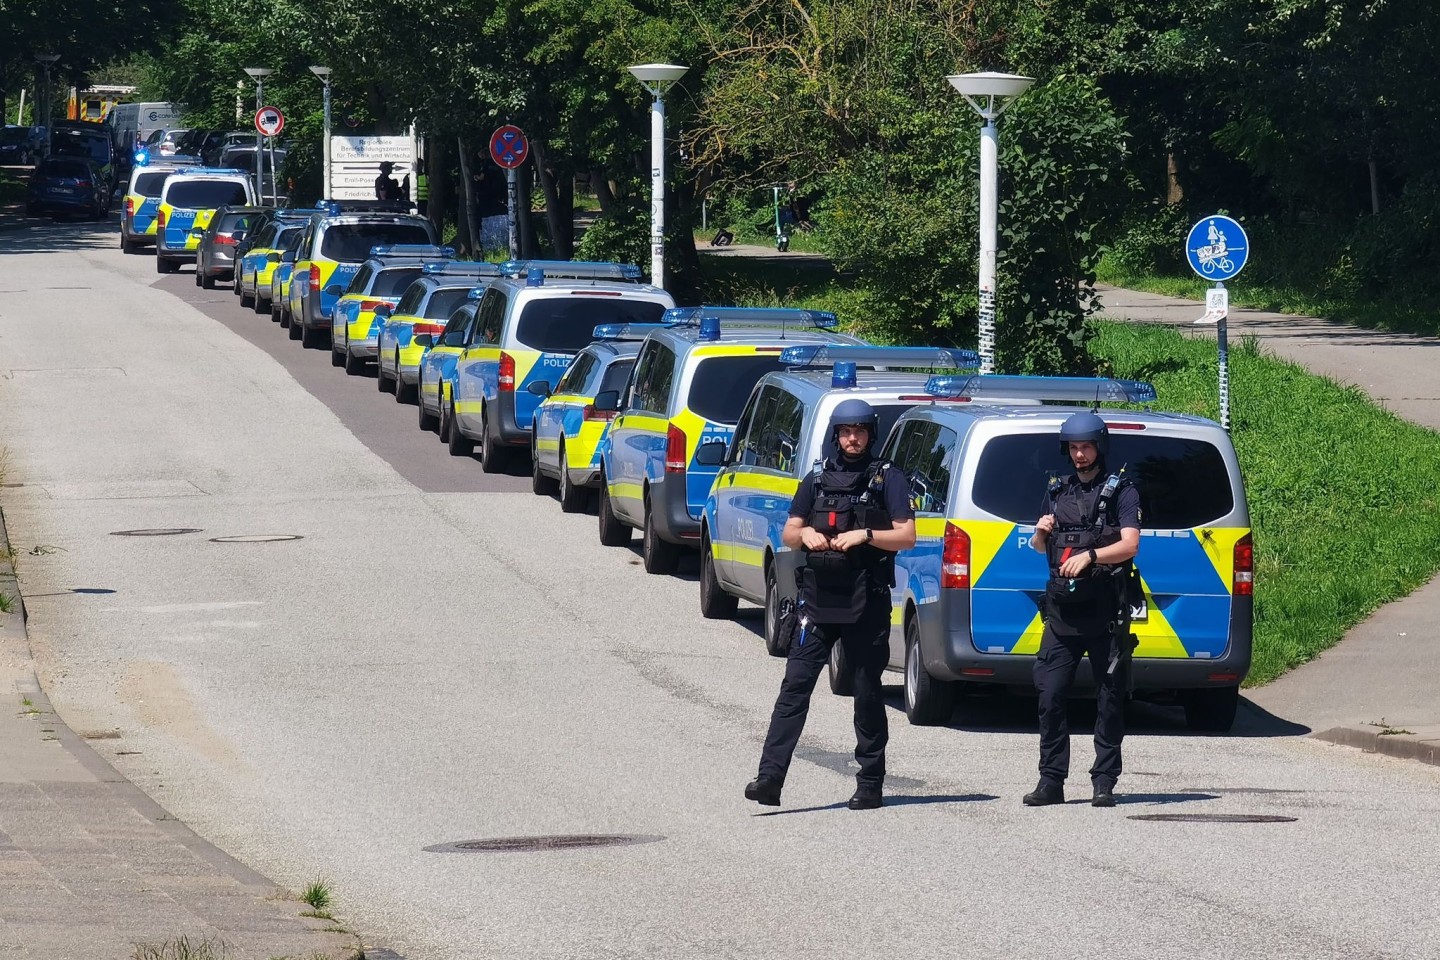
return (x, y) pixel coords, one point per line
(423, 340)
(711, 453)
(197, 233)
(539, 388)
(606, 401)
(288, 256)
(272, 257)
(238, 235)
(384, 310)
(334, 290)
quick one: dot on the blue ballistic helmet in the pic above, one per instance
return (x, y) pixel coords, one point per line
(854, 412)
(1081, 427)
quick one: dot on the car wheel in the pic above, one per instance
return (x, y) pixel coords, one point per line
(310, 337)
(772, 614)
(928, 702)
(125, 245)
(353, 365)
(261, 306)
(659, 556)
(297, 326)
(492, 458)
(572, 498)
(161, 264)
(247, 299)
(275, 315)
(715, 603)
(613, 531)
(842, 678)
(427, 420)
(540, 484)
(404, 392)
(458, 444)
(207, 281)
(337, 357)
(444, 420)
(1211, 710)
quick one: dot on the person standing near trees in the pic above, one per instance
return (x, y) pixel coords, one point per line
(385, 186)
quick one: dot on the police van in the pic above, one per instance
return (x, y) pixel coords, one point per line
(968, 596)
(189, 198)
(690, 383)
(142, 201)
(529, 330)
(781, 438)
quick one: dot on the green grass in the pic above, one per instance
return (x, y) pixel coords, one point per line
(317, 894)
(12, 190)
(1369, 313)
(183, 948)
(1342, 494)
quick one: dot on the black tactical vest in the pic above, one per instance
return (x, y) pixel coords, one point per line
(1084, 520)
(833, 585)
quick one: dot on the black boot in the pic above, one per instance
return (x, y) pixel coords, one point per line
(764, 792)
(866, 798)
(1045, 794)
(1104, 794)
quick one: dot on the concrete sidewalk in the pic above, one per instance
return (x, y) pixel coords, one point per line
(1379, 688)
(93, 869)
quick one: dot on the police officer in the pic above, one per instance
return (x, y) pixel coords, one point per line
(850, 517)
(385, 186)
(1089, 530)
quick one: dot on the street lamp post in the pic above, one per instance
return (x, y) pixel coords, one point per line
(258, 74)
(46, 60)
(657, 78)
(989, 94)
(324, 74)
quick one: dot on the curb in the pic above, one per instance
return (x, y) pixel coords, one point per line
(1393, 745)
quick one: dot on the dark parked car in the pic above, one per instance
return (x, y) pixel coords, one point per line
(68, 185)
(21, 145)
(215, 256)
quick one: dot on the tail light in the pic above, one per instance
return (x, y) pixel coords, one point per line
(434, 329)
(371, 305)
(1244, 583)
(955, 559)
(507, 373)
(674, 450)
(224, 241)
(592, 415)
(129, 207)
(314, 278)
(160, 219)
(82, 183)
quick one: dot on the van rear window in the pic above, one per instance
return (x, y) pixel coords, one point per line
(206, 194)
(392, 283)
(1183, 483)
(352, 241)
(721, 385)
(567, 324)
(150, 184)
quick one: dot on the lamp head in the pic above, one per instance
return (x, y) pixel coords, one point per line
(322, 72)
(658, 77)
(987, 92)
(257, 72)
(47, 58)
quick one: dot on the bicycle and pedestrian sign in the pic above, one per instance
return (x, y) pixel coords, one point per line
(1217, 248)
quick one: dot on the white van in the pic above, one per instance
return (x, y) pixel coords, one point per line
(131, 123)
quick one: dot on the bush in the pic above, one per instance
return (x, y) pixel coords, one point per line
(622, 236)
(1152, 240)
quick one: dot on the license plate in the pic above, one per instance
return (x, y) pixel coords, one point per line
(62, 191)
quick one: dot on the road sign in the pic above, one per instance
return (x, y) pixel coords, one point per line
(269, 121)
(508, 147)
(1217, 248)
(1217, 305)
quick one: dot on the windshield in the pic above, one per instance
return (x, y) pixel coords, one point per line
(77, 143)
(392, 283)
(206, 194)
(721, 385)
(1182, 483)
(567, 325)
(14, 135)
(63, 168)
(445, 302)
(352, 241)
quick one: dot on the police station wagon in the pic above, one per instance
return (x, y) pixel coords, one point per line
(968, 595)
(188, 200)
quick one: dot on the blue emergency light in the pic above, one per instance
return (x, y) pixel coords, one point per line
(412, 250)
(534, 276)
(570, 270)
(141, 158)
(843, 375)
(1068, 389)
(820, 354)
(628, 331)
(752, 316)
(460, 268)
(709, 329)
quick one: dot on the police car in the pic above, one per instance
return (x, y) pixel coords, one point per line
(968, 595)
(424, 308)
(781, 438)
(281, 276)
(568, 431)
(332, 247)
(189, 198)
(380, 281)
(437, 363)
(529, 330)
(259, 254)
(142, 202)
(690, 382)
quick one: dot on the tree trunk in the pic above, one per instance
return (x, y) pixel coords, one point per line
(472, 224)
(529, 247)
(559, 203)
(437, 170)
(1174, 192)
(603, 193)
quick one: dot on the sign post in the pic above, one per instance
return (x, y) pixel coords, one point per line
(269, 121)
(509, 148)
(1217, 249)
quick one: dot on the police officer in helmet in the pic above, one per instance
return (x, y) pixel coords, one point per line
(1089, 531)
(851, 516)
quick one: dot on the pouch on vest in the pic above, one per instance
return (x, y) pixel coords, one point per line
(833, 591)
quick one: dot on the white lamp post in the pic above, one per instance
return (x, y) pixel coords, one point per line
(989, 94)
(324, 74)
(47, 60)
(258, 74)
(657, 78)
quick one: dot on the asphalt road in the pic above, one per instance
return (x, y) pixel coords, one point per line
(444, 657)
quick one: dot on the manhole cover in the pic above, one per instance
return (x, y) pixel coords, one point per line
(1212, 818)
(258, 538)
(155, 532)
(565, 841)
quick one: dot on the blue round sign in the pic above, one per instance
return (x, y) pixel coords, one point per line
(1217, 248)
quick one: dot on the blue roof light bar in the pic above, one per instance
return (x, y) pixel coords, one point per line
(412, 250)
(460, 268)
(752, 316)
(571, 269)
(628, 331)
(1069, 389)
(825, 354)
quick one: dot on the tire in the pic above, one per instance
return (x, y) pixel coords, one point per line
(492, 458)
(659, 556)
(427, 420)
(261, 306)
(540, 484)
(275, 315)
(125, 245)
(928, 702)
(404, 392)
(207, 281)
(247, 300)
(382, 384)
(295, 328)
(715, 603)
(458, 444)
(164, 266)
(311, 337)
(354, 365)
(1211, 710)
(337, 357)
(613, 531)
(572, 498)
(444, 420)
(842, 678)
(772, 613)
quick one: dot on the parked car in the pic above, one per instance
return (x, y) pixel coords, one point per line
(215, 255)
(21, 146)
(68, 185)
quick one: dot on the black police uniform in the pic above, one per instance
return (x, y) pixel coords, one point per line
(851, 608)
(1078, 618)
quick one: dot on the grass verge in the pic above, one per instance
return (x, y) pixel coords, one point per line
(1369, 313)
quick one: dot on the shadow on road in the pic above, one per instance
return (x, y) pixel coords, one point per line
(50, 236)
(892, 801)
